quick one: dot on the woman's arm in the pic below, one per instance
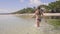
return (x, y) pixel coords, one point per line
(33, 15)
(43, 14)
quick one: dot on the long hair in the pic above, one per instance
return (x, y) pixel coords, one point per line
(38, 10)
(38, 7)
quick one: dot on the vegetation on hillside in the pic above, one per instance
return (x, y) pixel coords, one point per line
(25, 10)
(54, 6)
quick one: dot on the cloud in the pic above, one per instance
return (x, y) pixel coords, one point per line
(21, 1)
(45, 3)
(56, 0)
(37, 2)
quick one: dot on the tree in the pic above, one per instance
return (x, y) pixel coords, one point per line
(25, 10)
(55, 6)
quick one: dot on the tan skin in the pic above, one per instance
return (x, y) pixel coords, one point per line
(37, 17)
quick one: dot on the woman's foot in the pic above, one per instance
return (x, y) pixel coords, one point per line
(37, 26)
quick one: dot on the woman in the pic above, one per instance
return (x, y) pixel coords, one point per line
(38, 13)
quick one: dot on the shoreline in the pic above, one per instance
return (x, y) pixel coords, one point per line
(45, 14)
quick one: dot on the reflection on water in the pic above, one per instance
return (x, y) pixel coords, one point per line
(11, 24)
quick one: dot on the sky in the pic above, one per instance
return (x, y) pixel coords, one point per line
(8, 6)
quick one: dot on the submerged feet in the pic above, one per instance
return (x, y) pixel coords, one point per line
(37, 26)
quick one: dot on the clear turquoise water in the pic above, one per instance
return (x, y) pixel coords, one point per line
(12, 24)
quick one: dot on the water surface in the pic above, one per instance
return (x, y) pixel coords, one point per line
(12, 24)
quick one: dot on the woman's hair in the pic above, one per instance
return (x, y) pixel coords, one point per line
(38, 8)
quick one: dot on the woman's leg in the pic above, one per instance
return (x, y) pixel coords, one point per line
(37, 23)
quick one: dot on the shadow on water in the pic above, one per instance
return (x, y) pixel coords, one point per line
(25, 25)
